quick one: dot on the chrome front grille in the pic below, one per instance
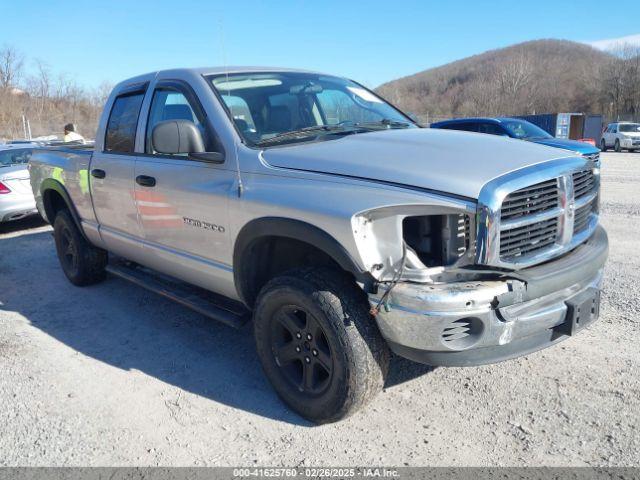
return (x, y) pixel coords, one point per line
(583, 183)
(528, 220)
(583, 216)
(527, 239)
(536, 214)
(530, 201)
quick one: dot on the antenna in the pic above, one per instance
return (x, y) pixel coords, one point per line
(224, 54)
(226, 73)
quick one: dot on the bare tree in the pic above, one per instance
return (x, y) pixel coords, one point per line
(11, 64)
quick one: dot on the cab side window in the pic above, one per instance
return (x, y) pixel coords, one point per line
(122, 124)
(490, 128)
(171, 104)
(465, 127)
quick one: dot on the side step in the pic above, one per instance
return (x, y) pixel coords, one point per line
(217, 307)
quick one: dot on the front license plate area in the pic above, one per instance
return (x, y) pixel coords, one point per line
(582, 310)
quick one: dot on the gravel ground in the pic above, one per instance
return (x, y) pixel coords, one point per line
(113, 375)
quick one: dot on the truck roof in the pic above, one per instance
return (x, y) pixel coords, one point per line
(192, 72)
(215, 71)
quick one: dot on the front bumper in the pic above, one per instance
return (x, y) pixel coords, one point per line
(479, 322)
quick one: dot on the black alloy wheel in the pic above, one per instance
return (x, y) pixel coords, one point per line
(301, 349)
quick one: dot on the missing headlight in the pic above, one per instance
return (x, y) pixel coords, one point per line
(438, 240)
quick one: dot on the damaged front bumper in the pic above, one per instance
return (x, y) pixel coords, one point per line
(479, 322)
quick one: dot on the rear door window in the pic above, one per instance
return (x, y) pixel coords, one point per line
(123, 121)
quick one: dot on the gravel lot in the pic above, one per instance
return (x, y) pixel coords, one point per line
(113, 375)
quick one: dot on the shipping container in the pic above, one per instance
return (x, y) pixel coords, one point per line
(573, 126)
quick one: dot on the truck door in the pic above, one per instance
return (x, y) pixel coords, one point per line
(112, 171)
(182, 202)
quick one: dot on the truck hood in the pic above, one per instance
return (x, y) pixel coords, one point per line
(449, 161)
(581, 148)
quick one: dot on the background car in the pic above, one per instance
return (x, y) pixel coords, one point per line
(519, 129)
(16, 196)
(621, 135)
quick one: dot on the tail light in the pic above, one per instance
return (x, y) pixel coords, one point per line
(4, 189)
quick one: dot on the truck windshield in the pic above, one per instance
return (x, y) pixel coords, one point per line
(284, 107)
(524, 130)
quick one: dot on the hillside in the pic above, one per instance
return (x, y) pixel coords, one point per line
(537, 76)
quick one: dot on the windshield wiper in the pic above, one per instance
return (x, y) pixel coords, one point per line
(316, 129)
(385, 123)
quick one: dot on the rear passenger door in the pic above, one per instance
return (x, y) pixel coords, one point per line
(112, 171)
(184, 209)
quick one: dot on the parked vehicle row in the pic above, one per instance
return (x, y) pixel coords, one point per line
(344, 229)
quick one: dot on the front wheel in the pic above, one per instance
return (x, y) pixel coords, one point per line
(82, 263)
(319, 346)
(617, 146)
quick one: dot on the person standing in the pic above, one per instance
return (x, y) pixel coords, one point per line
(70, 134)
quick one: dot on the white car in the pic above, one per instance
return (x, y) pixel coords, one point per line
(16, 196)
(621, 135)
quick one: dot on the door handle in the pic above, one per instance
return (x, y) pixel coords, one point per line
(146, 181)
(98, 173)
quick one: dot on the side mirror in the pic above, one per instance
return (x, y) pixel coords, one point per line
(174, 137)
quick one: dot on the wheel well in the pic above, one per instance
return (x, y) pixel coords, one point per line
(269, 256)
(53, 202)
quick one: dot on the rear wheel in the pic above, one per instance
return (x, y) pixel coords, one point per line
(617, 146)
(603, 145)
(318, 344)
(81, 262)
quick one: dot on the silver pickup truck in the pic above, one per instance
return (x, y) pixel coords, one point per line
(344, 230)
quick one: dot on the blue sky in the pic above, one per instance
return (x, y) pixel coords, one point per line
(370, 41)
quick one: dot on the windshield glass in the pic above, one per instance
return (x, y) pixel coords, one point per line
(524, 130)
(630, 127)
(281, 107)
(14, 157)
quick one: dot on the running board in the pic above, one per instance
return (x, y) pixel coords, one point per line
(217, 307)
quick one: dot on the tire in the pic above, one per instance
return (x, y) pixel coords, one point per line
(82, 263)
(617, 146)
(342, 360)
(603, 145)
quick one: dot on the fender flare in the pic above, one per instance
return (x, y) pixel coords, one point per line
(297, 230)
(56, 186)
